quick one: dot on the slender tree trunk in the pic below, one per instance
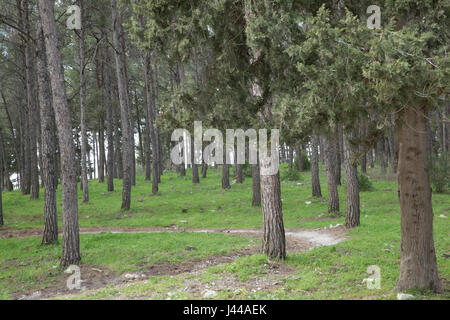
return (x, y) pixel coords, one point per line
(363, 148)
(117, 147)
(393, 150)
(84, 177)
(48, 140)
(291, 157)
(330, 162)
(225, 173)
(351, 178)
(124, 111)
(204, 169)
(109, 118)
(418, 267)
(71, 238)
(150, 122)
(299, 156)
(274, 242)
(32, 109)
(101, 150)
(256, 186)
(339, 154)
(315, 181)
(1, 190)
(195, 177)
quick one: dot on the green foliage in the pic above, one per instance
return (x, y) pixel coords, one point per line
(292, 174)
(247, 170)
(306, 164)
(364, 183)
(440, 172)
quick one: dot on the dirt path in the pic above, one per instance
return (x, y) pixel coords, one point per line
(95, 277)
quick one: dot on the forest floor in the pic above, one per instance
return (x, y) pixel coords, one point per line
(200, 242)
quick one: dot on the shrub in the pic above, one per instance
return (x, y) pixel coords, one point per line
(440, 172)
(364, 183)
(291, 174)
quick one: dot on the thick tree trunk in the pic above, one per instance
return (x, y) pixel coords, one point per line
(351, 178)
(418, 267)
(124, 111)
(109, 118)
(274, 242)
(315, 181)
(71, 238)
(48, 140)
(256, 186)
(330, 162)
(84, 177)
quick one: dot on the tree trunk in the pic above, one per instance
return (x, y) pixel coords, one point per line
(418, 267)
(315, 181)
(330, 163)
(351, 178)
(71, 238)
(48, 141)
(150, 125)
(225, 173)
(256, 186)
(101, 150)
(124, 111)
(204, 169)
(117, 147)
(195, 177)
(299, 157)
(363, 148)
(339, 152)
(84, 178)
(1, 190)
(31, 105)
(392, 150)
(274, 242)
(109, 118)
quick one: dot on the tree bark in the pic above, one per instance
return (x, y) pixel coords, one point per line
(31, 105)
(351, 178)
(274, 242)
(71, 238)
(150, 125)
(101, 150)
(330, 162)
(127, 140)
(256, 186)
(315, 181)
(204, 169)
(109, 118)
(195, 176)
(225, 173)
(84, 177)
(299, 157)
(48, 141)
(418, 267)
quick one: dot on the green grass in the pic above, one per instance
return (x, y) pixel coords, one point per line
(27, 265)
(333, 272)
